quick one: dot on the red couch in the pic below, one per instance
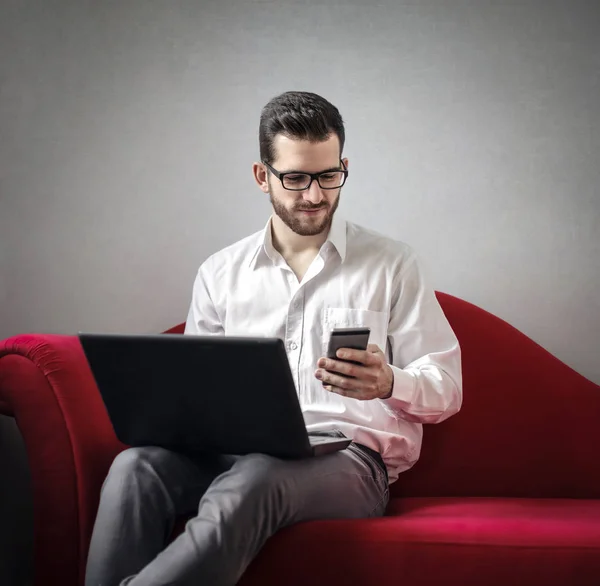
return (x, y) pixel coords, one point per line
(505, 492)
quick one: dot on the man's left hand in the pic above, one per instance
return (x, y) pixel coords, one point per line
(373, 377)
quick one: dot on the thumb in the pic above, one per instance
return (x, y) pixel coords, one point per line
(374, 349)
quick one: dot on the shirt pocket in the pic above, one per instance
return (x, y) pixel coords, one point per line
(341, 317)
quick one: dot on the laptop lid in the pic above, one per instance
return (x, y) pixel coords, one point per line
(230, 395)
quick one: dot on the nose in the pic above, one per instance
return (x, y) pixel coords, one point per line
(314, 194)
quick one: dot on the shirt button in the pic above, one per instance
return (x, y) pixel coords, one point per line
(293, 345)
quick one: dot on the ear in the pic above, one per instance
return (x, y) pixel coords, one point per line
(260, 176)
(345, 161)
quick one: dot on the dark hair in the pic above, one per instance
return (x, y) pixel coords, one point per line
(300, 115)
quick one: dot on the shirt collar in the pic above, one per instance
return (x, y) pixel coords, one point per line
(337, 234)
(266, 250)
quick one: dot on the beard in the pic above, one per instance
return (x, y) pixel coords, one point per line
(301, 224)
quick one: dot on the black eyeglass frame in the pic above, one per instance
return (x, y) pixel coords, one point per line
(312, 176)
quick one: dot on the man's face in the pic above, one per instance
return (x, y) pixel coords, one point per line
(307, 212)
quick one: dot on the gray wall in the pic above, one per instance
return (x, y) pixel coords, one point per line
(127, 131)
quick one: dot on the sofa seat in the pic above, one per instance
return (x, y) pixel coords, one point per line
(443, 540)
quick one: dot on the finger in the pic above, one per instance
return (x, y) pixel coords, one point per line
(354, 394)
(362, 356)
(336, 380)
(374, 349)
(339, 366)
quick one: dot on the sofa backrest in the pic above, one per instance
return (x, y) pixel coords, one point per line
(529, 425)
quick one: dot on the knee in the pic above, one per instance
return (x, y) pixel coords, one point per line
(128, 461)
(129, 465)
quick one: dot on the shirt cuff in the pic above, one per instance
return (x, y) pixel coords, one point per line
(403, 389)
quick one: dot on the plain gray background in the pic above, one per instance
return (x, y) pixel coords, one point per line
(128, 130)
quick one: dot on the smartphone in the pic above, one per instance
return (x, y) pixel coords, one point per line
(355, 338)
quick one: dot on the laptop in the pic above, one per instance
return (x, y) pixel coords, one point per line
(215, 394)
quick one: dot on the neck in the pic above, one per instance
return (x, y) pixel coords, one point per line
(289, 244)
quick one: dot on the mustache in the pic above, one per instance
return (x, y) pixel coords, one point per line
(311, 208)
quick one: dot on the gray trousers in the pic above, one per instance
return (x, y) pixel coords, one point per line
(238, 501)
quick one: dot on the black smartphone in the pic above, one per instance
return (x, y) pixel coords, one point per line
(355, 338)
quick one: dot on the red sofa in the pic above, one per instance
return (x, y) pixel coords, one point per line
(505, 492)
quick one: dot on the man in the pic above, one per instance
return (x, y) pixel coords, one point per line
(306, 273)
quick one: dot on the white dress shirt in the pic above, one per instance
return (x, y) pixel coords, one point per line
(359, 278)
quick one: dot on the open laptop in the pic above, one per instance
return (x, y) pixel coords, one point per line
(218, 394)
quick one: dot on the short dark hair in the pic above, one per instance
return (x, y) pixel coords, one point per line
(300, 115)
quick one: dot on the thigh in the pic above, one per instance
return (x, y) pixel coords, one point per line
(344, 484)
(339, 485)
(184, 478)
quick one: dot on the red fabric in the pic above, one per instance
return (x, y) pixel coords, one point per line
(528, 428)
(528, 425)
(450, 541)
(45, 382)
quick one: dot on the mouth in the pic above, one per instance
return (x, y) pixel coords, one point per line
(312, 212)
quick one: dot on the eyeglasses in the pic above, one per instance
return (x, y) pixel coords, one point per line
(294, 181)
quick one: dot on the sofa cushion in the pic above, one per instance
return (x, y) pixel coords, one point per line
(548, 523)
(442, 541)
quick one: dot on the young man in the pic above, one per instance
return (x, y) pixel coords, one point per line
(306, 273)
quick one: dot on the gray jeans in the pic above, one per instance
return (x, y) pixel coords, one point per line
(238, 501)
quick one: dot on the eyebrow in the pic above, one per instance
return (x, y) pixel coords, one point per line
(307, 173)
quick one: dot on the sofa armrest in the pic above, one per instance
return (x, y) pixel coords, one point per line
(47, 386)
